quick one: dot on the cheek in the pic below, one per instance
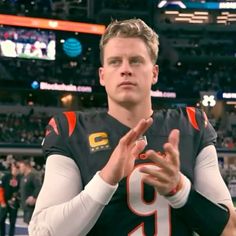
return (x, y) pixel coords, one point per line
(110, 78)
(147, 78)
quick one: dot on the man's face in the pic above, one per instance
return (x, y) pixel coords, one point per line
(128, 72)
(14, 170)
(22, 167)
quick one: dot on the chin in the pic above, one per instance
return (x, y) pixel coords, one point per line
(128, 102)
(125, 99)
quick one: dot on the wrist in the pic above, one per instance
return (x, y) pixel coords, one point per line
(177, 188)
(107, 178)
(100, 190)
(180, 198)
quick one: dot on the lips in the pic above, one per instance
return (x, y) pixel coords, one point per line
(126, 83)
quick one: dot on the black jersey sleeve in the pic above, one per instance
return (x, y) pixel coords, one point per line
(204, 130)
(56, 137)
(204, 216)
(208, 133)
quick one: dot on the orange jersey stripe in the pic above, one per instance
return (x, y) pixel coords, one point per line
(191, 111)
(71, 119)
(2, 199)
(53, 124)
(205, 119)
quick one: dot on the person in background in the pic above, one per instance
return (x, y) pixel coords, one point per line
(30, 186)
(131, 170)
(9, 199)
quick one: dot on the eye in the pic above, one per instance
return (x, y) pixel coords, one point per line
(114, 62)
(136, 61)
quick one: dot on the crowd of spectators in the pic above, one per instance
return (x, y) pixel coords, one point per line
(189, 80)
(17, 128)
(226, 130)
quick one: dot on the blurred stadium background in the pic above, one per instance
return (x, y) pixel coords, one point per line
(49, 58)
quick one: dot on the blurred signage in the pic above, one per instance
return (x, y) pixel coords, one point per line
(72, 47)
(227, 5)
(228, 95)
(65, 87)
(208, 99)
(163, 94)
(52, 24)
(196, 4)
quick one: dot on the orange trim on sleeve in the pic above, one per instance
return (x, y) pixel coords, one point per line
(2, 198)
(205, 119)
(53, 124)
(71, 119)
(191, 111)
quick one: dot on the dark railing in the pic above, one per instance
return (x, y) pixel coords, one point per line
(21, 149)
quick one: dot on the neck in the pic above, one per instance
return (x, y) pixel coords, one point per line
(130, 116)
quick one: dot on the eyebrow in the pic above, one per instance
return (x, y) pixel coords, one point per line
(113, 57)
(131, 57)
(137, 57)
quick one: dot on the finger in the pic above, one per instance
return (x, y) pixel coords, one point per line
(155, 173)
(128, 137)
(172, 154)
(142, 126)
(140, 129)
(172, 147)
(158, 185)
(174, 138)
(136, 132)
(158, 159)
(138, 147)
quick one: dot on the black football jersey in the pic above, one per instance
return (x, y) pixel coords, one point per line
(135, 209)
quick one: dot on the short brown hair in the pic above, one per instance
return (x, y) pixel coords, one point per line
(25, 160)
(135, 28)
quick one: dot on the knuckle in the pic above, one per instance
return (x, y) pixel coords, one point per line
(122, 141)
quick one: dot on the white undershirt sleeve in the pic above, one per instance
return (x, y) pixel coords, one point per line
(207, 177)
(63, 208)
(207, 181)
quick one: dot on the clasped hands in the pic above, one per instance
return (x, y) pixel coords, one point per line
(122, 160)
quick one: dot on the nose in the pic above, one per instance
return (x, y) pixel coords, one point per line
(126, 69)
(126, 73)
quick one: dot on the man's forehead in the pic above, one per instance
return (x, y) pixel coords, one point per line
(131, 43)
(120, 56)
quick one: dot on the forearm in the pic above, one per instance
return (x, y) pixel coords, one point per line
(75, 217)
(230, 229)
(203, 216)
(208, 208)
(66, 210)
(209, 182)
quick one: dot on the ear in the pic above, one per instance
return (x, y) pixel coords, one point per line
(101, 76)
(155, 72)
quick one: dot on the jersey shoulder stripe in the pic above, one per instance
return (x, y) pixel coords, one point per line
(205, 119)
(53, 125)
(71, 120)
(191, 112)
